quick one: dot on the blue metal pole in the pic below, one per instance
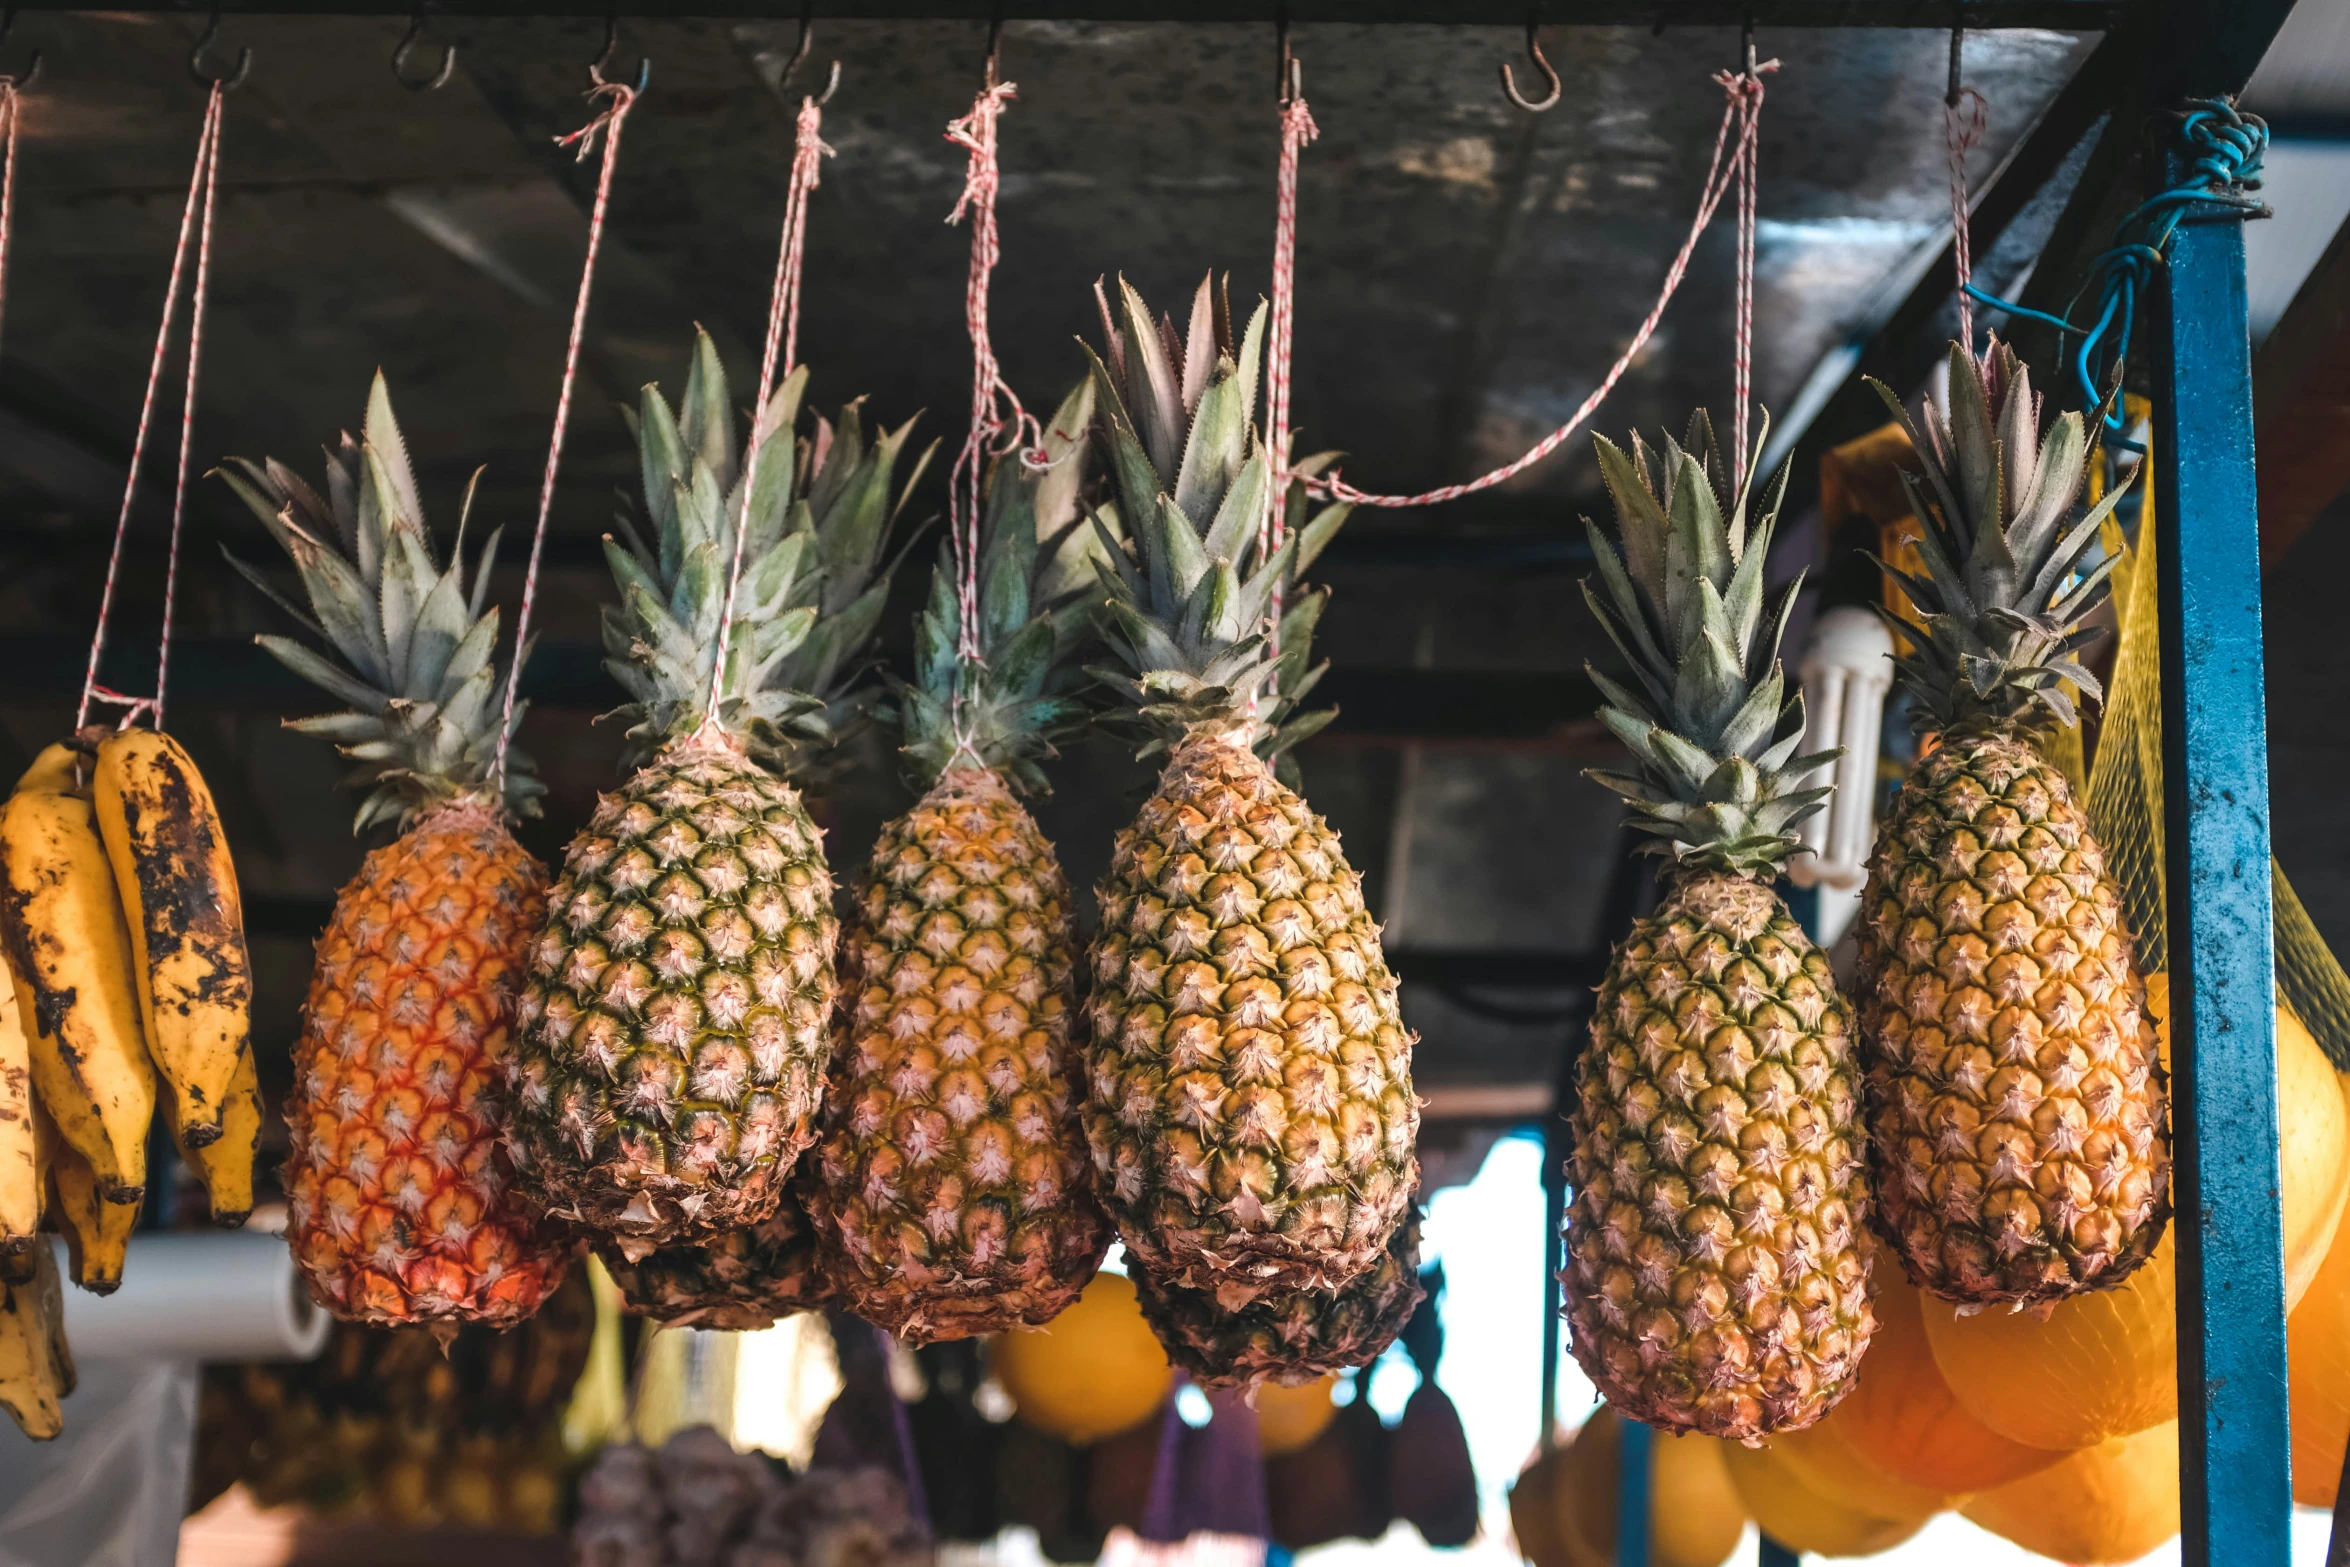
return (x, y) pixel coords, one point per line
(1634, 1456)
(2234, 1456)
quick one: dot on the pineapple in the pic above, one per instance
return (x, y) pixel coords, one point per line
(401, 1208)
(1249, 1098)
(2017, 1107)
(744, 1279)
(674, 1022)
(1715, 1277)
(952, 1191)
(1292, 1337)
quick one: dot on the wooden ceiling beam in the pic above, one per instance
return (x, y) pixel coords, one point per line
(2301, 403)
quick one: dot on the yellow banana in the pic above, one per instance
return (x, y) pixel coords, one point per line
(187, 926)
(20, 1173)
(36, 1368)
(227, 1165)
(97, 1232)
(61, 928)
(59, 769)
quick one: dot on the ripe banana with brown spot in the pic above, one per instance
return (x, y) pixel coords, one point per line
(97, 1232)
(179, 896)
(69, 953)
(226, 1166)
(36, 1367)
(62, 768)
(20, 1165)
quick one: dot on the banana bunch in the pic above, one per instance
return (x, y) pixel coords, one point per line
(127, 978)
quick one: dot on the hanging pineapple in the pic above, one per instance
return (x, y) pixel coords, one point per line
(674, 1023)
(2017, 1108)
(1715, 1281)
(952, 1189)
(742, 1279)
(399, 1192)
(1289, 1337)
(1249, 1097)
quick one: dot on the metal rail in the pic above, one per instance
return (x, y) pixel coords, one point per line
(1938, 15)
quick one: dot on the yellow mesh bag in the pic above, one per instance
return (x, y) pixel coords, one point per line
(2125, 803)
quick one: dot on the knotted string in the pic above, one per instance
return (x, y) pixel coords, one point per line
(2224, 149)
(1966, 115)
(783, 339)
(1297, 129)
(1746, 93)
(995, 407)
(203, 183)
(1743, 112)
(616, 98)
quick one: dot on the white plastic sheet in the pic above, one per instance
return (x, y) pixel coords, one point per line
(111, 1490)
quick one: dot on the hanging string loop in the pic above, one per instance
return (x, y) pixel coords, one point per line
(613, 102)
(195, 234)
(2223, 148)
(1733, 163)
(782, 344)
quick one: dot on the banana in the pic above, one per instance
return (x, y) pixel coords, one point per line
(62, 931)
(36, 1367)
(227, 1165)
(97, 1232)
(59, 769)
(187, 926)
(20, 1171)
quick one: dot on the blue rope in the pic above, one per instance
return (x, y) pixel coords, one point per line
(2225, 147)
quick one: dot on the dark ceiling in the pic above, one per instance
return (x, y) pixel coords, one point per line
(1466, 273)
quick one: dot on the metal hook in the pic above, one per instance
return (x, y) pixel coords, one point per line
(1554, 89)
(644, 69)
(204, 75)
(439, 78)
(32, 71)
(995, 41)
(799, 55)
(1289, 75)
(1746, 41)
(1957, 36)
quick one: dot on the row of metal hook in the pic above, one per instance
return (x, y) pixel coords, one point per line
(202, 67)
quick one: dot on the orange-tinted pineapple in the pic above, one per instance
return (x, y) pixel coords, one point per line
(398, 1185)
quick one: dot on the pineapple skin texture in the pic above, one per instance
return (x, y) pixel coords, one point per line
(1249, 1100)
(952, 1188)
(401, 1207)
(2018, 1110)
(1293, 1337)
(1715, 1277)
(744, 1280)
(674, 1023)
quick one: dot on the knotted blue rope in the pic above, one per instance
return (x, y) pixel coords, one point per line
(2225, 148)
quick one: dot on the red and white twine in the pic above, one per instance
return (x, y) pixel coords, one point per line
(617, 98)
(1742, 113)
(995, 407)
(195, 231)
(1746, 94)
(783, 339)
(1966, 116)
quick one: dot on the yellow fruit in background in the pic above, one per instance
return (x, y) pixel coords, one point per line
(2317, 1342)
(1825, 1462)
(1799, 1517)
(2313, 1127)
(1289, 1418)
(2106, 1364)
(1694, 1518)
(2110, 1503)
(1902, 1420)
(1093, 1371)
(1534, 1509)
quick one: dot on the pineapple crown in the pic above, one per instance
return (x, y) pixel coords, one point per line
(1712, 727)
(407, 644)
(1038, 592)
(2004, 591)
(815, 569)
(1188, 608)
